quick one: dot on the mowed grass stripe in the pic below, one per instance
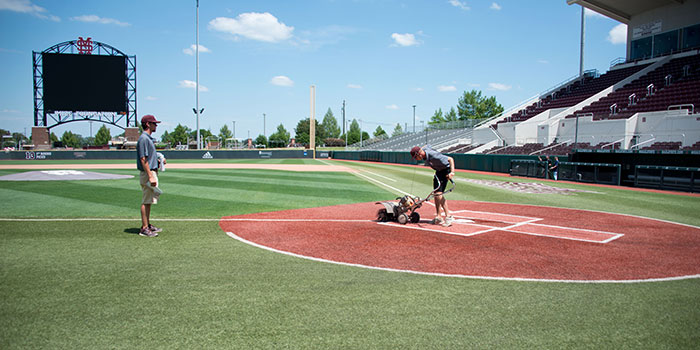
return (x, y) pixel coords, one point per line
(32, 202)
(343, 186)
(188, 194)
(264, 176)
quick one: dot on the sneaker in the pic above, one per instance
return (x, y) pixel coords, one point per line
(437, 221)
(146, 232)
(448, 221)
(154, 229)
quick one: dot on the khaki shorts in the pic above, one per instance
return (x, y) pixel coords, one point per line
(149, 195)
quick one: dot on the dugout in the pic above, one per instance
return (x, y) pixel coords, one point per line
(667, 178)
(630, 160)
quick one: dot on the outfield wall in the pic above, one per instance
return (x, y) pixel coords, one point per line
(497, 163)
(123, 154)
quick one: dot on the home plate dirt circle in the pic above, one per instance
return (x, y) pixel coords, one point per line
(487, 240)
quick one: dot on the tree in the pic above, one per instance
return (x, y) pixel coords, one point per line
(203, 134)
(397, 130)
(437, 117)
(103, 136)
(474, 106)
(165, 138)
(451, 115)
(302, 131)
(330, 125)
(365, 136)
(53, 138)
(70, 139)
(354, 132)
(225, 133)
(280, 137)
(178, 136)
(379, 132)
(261, 140)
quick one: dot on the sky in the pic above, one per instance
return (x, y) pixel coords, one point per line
(258, 58)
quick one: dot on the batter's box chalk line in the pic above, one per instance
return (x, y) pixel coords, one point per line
(466, 226)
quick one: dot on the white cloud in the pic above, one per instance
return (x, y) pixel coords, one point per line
(192, 49)
(460, 4)
(418, 89)
(591, 13)
(446, 88)
(541, 61)
(26, 6)
(281, 80)
(495, 6)
(499, 87)
(252, 25)
(392, 107)
(152, 98)
(354, 86)
(407, 39)
(618, 35)
(100, 20)
(189, 84)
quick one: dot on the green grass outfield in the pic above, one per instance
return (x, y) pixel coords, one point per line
(78, 276)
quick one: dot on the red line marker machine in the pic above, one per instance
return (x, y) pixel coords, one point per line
(404, 209)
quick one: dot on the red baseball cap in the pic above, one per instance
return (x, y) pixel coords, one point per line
(415, 151)
(149, 118)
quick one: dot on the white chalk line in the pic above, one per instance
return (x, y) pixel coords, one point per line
(437, 274)
(532, 221)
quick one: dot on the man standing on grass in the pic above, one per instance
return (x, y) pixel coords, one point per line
(147, 163)
(444, 170)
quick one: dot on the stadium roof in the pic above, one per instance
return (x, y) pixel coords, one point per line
(622, 10)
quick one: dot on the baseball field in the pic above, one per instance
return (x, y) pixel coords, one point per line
(287, 254)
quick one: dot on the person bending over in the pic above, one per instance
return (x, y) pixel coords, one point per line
(444, 170)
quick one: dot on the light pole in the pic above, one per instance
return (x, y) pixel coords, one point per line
(234, 134)
(343, 109)
(196, 88)
(414, 119)
(360, 133)
(264, 133)
(197, 112)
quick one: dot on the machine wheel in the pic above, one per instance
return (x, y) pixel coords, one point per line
(415, 217)
(402, 219)
(382, 215)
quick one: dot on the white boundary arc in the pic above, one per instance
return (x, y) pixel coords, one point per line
(664, 279)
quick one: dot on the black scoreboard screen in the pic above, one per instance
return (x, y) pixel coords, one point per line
(88, 83)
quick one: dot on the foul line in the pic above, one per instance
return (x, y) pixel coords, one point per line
(391, 187)
(383, 184)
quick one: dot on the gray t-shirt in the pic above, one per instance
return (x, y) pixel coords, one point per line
(146, 148)
(435, 159)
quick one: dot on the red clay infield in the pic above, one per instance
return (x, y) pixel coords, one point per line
(488, 240)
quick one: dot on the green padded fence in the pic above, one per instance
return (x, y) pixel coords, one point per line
(498, 163)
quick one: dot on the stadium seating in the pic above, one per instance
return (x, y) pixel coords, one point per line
(575, 93)
(664, 146)
(675, 83)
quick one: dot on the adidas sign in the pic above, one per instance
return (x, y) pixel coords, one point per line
(207, 156)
